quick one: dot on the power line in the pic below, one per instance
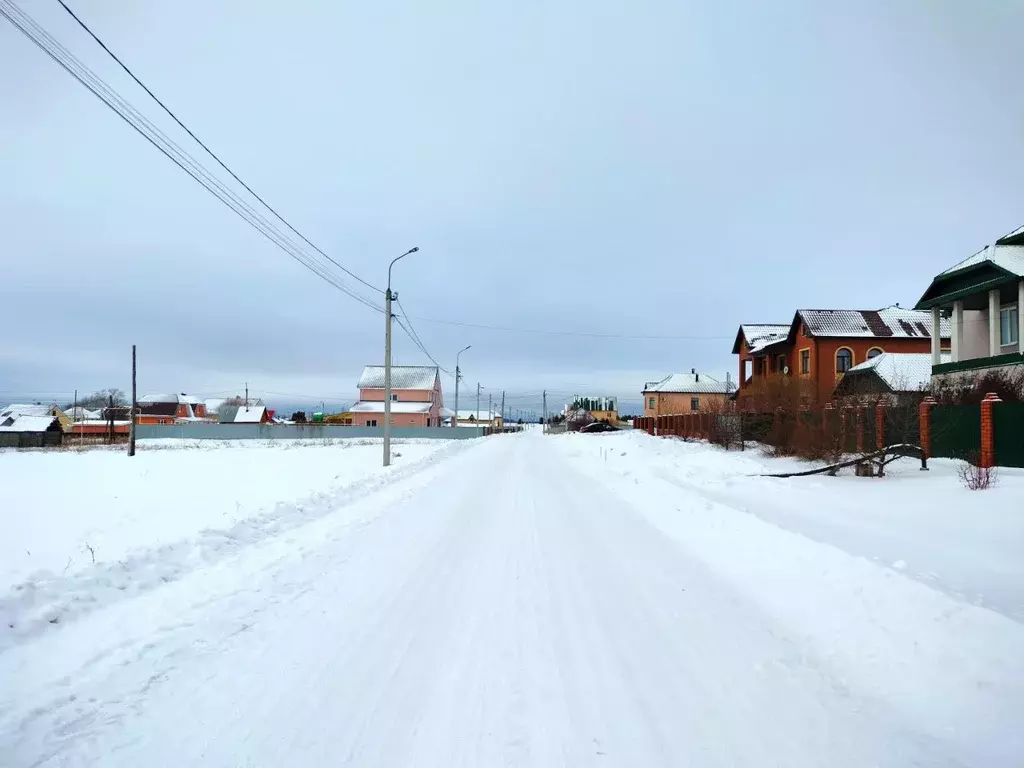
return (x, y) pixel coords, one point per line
(422, 348)
(209, 151)
(544, 332)
(99, 88)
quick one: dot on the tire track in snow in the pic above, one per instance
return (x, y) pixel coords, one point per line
(45, 604)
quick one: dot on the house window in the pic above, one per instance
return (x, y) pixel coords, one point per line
(371, 422)
(844, 360)
(1008, 326)
(782, 363)
(874, 352)
(805, 361)
(394, 398)
(650, 403)
(694, 403)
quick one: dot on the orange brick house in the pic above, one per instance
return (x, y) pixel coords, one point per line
(685, 393)
(166, 409)
(416, 398)
(819, 345)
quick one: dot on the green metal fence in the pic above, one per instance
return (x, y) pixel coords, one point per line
(956, 431)
(1008, 434)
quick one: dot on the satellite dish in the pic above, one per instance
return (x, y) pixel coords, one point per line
(785, 370)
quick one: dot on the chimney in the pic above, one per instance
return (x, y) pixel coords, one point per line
(693, 370)
(696, 377)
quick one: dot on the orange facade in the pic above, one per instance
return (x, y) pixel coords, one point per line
(662, 403)
(430, 418)
(815, 360)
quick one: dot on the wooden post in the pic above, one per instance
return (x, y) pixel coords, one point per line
(924, 428)
(988, 447)
(131, 413)
(880, 424)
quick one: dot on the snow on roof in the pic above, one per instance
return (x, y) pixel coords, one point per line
(16, 422)
(1008, 257)
(1018, 232)
(760, 335)
(377, 406)
(482, 415)
(251, 415)
(78, 413)
(687, 383)
(402, 377)
(901, 371)
(890, 322)
(164, 398)
(27, 409)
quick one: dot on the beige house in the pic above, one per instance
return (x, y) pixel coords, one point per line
(685, 393)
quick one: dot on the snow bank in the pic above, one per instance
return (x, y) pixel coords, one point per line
(965, 543)
(149, 519)
(950, 666)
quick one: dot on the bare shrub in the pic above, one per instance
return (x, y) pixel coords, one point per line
(975, 477)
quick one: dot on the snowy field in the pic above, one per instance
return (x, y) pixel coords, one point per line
(607, 600)
(87, 525)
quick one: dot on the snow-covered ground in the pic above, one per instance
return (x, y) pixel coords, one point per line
(83, 527)
(537, 600)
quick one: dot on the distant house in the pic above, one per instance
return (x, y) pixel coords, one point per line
(469, 417)
(78, 413)
(898, 377)
(983, 296)
(416, 398)
(36, 409)
(601, 408)
(155, 409)
(820, 345)
(684, 393)
(19, 430)
(245, 414)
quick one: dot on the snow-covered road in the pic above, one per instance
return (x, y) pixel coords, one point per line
(516, 603)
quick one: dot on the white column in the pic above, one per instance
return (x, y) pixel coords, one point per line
(1020, 316)
(993, 322)
(937, 335)
(957, 332)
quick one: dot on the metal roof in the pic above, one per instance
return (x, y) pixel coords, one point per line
(402, 377)
(890, 322)
(688, 383)
(761, 335)
(1008, 257)
(901, 371)
(26, 409)
(16, 422)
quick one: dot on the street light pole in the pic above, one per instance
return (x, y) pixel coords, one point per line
(388, 296)
(458, 375)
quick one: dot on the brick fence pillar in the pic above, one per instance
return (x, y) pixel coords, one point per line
(826, 423)
(677, 425)
(859, 417)
(924, 428)
(988, 446)
(880, 425)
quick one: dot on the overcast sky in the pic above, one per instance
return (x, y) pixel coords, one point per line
(643, 169)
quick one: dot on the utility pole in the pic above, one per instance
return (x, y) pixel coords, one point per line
(388, 296)
(545, 427)
(247, 395)
(458, 375)
(131, 413)
(110, 420)
(490, 407)
(74, 411)
(503, 409)
(478, 401)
